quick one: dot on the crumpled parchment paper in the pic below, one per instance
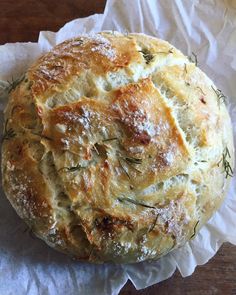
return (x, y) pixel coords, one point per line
(208, 28)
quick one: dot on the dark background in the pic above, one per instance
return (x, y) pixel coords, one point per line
(21, 21)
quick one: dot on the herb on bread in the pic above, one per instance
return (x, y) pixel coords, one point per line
(193, 58)
(153, 225)
(166, 52)
(226, 165)
(8, 133)
(185, 69)
(46, 137)
(137, 203)
(147, 55)
(133, 160)
(198, 87)
(194, 230)
(123, 168)
(221, 97)
(73, 168)
(110, 139)
(14, 83)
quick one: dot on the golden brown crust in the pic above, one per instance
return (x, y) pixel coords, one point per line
(71, 58)
(113, 148)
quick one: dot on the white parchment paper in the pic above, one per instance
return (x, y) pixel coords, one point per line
(206, 27)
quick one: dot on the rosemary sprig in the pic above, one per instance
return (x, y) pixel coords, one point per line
(46, 137)
(198, 87)
(110, 139)
(194, 229)
(123, 168)
(133, 160)
(226, 165)
(73, 168)
(147, 55)
(153, 225)
(8, 133)
(78, 43)
(166, 52)
(185, 69)
(193, 58)
(14, 83)
(137, 203)
(130, 161)
(220, 95)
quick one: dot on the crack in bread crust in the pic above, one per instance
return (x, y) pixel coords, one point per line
(112, 152)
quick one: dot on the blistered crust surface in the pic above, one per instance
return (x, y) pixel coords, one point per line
(113, 148)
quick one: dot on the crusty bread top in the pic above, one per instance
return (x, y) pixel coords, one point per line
(113, 148)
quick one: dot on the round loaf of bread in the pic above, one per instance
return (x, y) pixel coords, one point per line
(116, 148)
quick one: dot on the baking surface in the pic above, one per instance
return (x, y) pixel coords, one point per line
(21, 21)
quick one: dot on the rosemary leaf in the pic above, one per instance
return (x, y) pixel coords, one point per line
(110, 139)
(72, 169)
(123, 168)
(75, 168)
(10, 133)
(185, 69)
(194, 230)
(137, 203)
(193, 58)
(14, 83)
(201, 90)
(133, 160)
(147, 55)
(46, 137)
(153, 225)
(226, 165)
(130, 161)
(220, 95)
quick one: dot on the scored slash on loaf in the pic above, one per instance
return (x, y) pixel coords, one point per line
(115, 148)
